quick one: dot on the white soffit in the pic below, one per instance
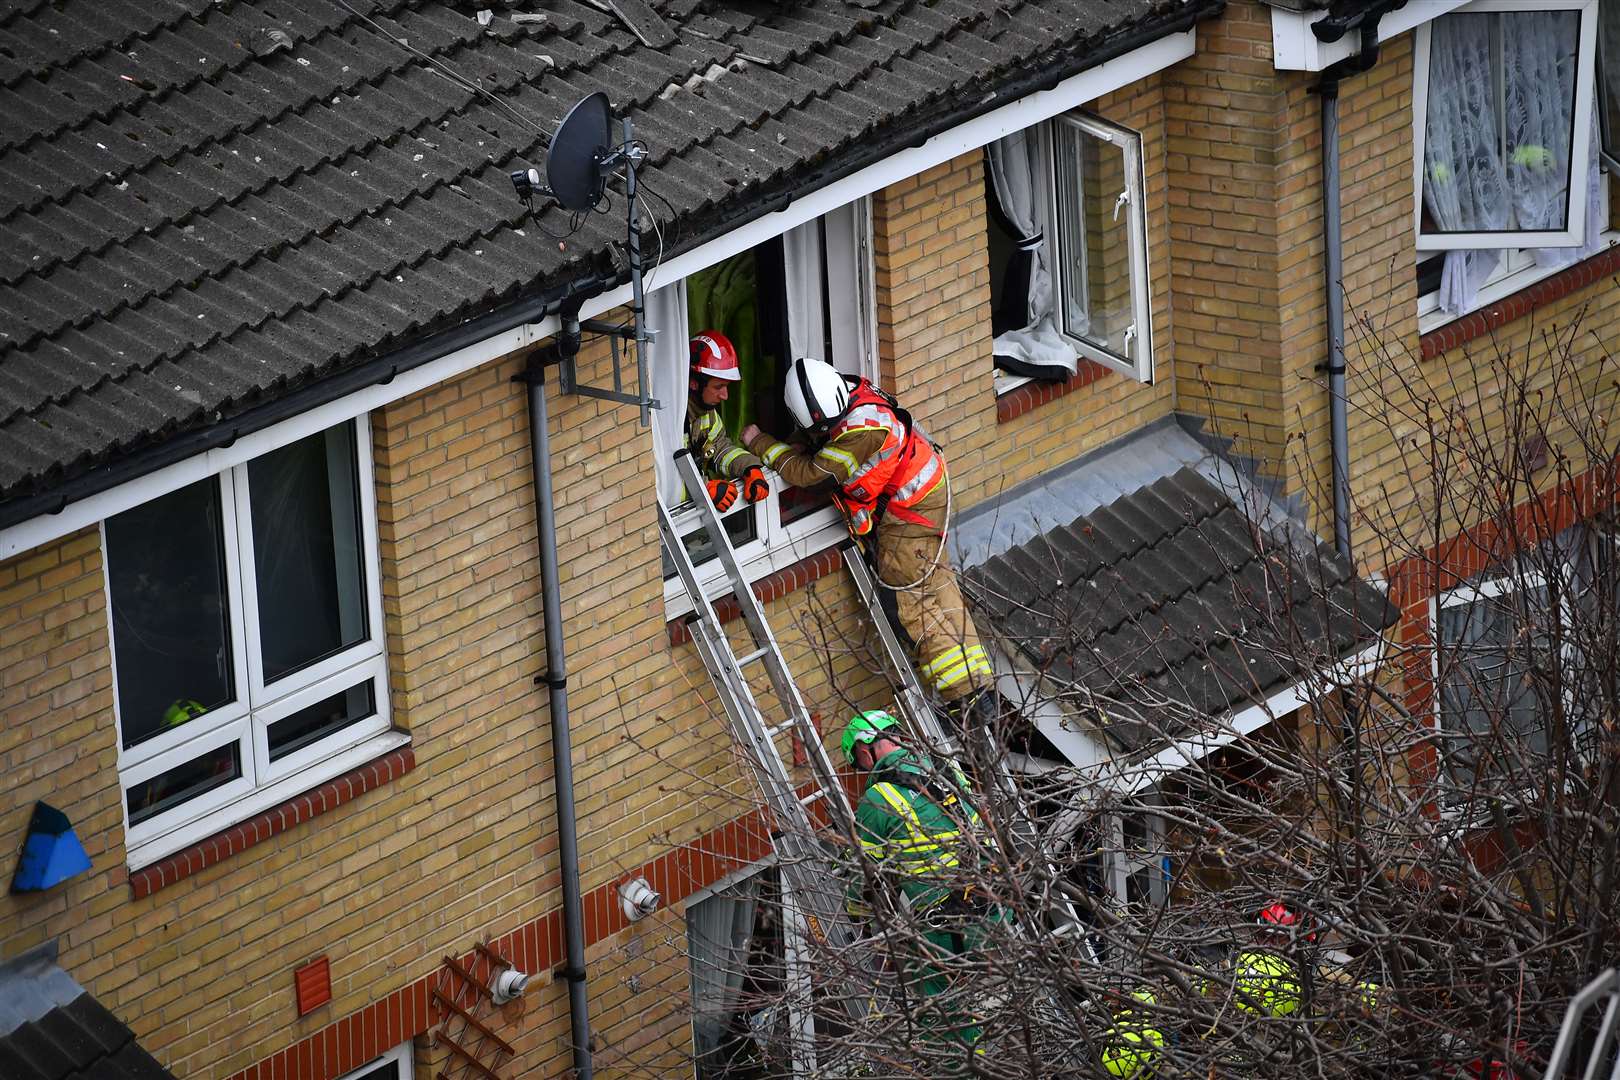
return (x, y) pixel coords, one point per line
(1016, 115)
(1295, 48)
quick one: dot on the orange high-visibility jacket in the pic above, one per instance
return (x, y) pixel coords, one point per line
(905, 469)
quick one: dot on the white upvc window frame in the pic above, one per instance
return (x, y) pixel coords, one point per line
(1137, 361)
(247, 719)
(400, 1055)
(778, 545)
(1574, 231)
(1516, 271)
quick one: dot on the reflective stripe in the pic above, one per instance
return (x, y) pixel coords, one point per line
(925, 478)
(860, 521)
(920, 843)
(874, 461)
(840, 458)
(774, 454)
(955, 664)
(729, 456)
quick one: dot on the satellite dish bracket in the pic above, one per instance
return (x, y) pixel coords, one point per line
(607, 160)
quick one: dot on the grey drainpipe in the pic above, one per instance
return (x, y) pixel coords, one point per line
(556, 679)
(1333, 264)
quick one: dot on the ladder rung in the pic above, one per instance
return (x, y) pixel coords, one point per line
(806, 800)
(749, 658)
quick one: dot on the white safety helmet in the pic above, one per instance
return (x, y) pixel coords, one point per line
(816, 394)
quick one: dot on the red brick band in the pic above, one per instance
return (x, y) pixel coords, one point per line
(258, 829)
(1546, 291)
(1015, 403)
(536, 946)
(768, 588)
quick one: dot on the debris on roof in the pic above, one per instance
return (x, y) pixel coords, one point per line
(210, 206)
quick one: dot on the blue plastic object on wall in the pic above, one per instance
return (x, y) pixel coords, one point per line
(51, 854)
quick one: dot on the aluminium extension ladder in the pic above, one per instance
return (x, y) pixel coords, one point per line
(823, 899)
(807, 871)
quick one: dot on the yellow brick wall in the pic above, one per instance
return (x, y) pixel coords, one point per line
(1225, 116)
(935, 344)
(1245, 209)
(463, 847)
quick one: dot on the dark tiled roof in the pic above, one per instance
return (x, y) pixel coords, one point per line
(1172, 594)
(209, 204)
(52, 1029)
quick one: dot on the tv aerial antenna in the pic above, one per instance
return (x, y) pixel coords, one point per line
(579, 162)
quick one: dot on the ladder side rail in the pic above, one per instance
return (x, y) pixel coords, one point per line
(787, 691)
(794, 834)
(925, 719)
(920, 715)
(775, 783)
(753, 614)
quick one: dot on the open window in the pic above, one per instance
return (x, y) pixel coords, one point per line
(1609, 83)
(807, 292)
(1068, 247)
(1502, 113)
(247, 638)
(738, 953)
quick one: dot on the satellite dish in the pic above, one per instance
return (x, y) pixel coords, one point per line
(574, 163)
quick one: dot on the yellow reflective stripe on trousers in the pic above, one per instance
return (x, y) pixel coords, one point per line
(955, 664)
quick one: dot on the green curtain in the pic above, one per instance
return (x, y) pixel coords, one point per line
(725, 297)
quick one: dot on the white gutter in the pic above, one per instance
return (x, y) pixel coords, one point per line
(1087, 86)
(1295, 48)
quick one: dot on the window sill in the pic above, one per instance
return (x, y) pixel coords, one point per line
(395, 760)
(772, 586)
(1032, 394)
(1530, 293)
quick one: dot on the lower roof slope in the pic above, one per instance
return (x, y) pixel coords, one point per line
(52, 1029)
(1171, 602)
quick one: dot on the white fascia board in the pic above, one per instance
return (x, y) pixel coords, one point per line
(1017, 115)
(1190, 751)
(1076, 90)
(1295, 48)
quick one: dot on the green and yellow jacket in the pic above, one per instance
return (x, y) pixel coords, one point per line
(910, 832)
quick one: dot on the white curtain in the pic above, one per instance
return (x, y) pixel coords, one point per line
(719, 934)
(806, 297)
(1016, 171)
(1594, 210)
(668, 360)
(849, 279)
(1538, 72)
(1464, 183)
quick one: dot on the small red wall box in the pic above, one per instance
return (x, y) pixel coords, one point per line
(314, 984)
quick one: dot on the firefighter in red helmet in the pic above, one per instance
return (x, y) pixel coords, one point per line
(730, 470)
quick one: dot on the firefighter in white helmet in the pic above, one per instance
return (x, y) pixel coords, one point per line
(731, 470)
(890, 482)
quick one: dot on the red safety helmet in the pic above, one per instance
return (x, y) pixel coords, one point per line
(714, 355)
(1277, 917)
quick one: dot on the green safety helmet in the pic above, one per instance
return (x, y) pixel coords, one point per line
(864, 727)
(182, 710)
